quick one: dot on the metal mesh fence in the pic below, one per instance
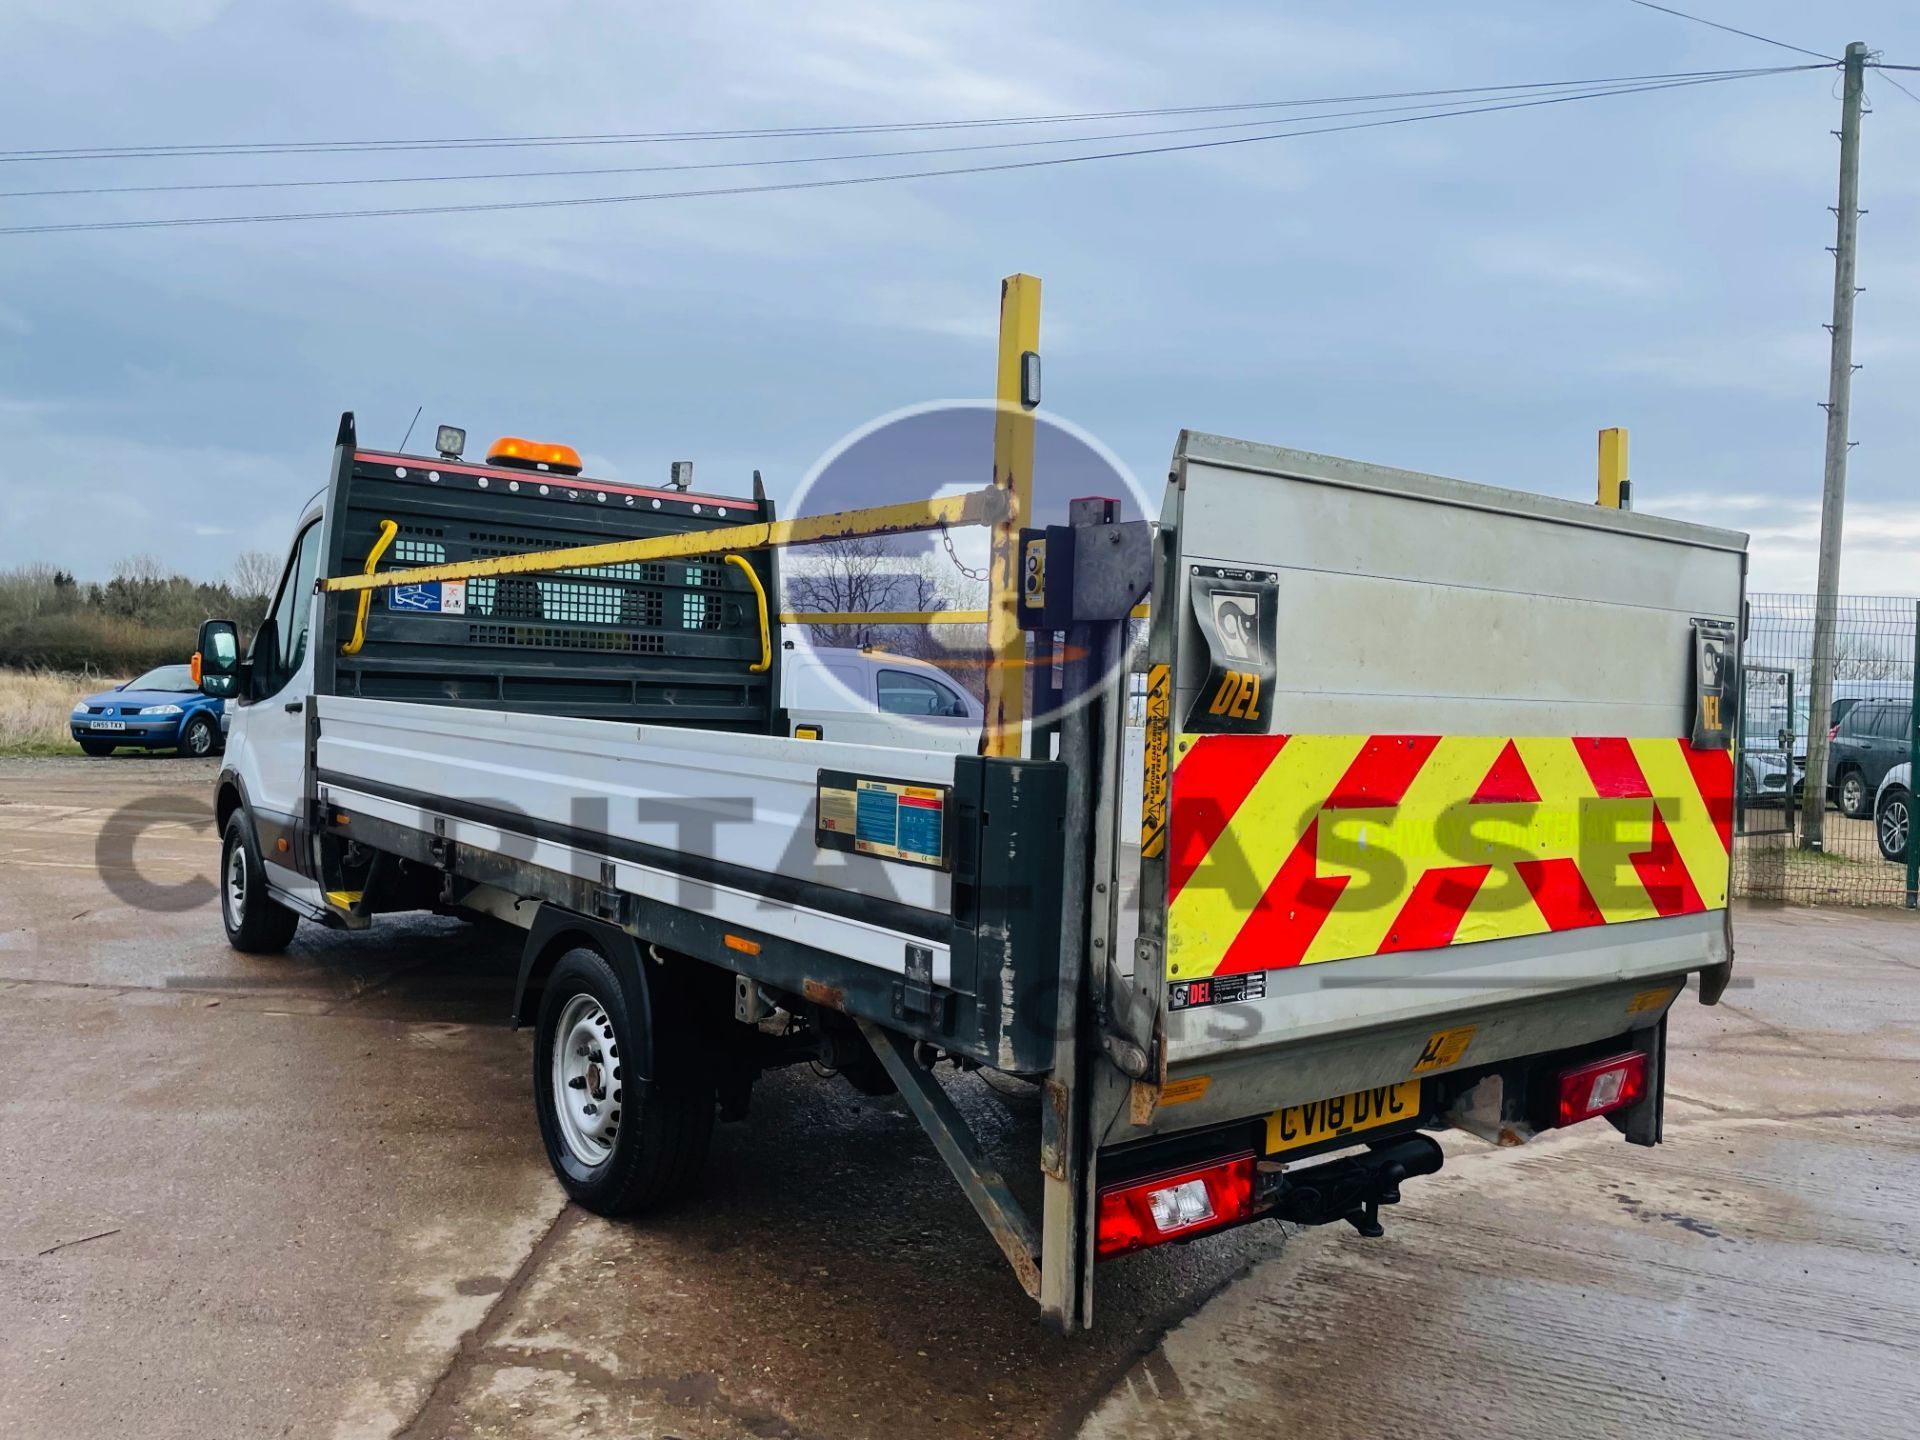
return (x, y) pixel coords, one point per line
(1856, 850)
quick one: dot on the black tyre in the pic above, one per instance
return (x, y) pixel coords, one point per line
(1854, 800)
(97, 748)
(619, 1143)
(257, 924)
(1893, 826)
(197, 737)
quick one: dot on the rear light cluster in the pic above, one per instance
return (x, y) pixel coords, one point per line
(1600, 1086)
(1173, 1206)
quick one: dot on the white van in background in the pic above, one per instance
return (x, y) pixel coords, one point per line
(871, 697)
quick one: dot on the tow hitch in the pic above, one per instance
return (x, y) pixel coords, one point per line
(1352, 1188)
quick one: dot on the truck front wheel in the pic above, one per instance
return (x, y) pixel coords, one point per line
(257, 924)
(620, 1141)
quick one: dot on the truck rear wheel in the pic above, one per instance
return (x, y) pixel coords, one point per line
(619, 1141)
(257, 924)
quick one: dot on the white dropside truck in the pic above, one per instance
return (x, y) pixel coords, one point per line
(1438, 797)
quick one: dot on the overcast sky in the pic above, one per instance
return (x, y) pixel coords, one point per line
(1473, 296)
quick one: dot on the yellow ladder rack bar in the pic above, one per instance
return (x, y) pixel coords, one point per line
(1013, 429)
(988, 506)
(904, 617)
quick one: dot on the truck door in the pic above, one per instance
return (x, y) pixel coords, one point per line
(1435, 796)
(268, 742)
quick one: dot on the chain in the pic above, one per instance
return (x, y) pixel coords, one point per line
(946, 539)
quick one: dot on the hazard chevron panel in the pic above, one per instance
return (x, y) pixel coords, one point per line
(1291, 849)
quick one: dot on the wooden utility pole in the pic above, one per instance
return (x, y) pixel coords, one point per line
(1813, 804)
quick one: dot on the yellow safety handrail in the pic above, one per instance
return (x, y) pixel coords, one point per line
(766, 630)
(388, 529)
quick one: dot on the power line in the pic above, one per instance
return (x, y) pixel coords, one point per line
(1896, 84)
(1437, 107)
(1731, 30)
(844, 181)
(325, 147)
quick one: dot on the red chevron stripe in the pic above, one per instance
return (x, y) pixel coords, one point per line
(1432, 912)
(1209, 784)
(1381, 772)
(1713, 776)
(1612, 768)
(1507, 782)
(1282, 926)
(1661, 870)
(1561, 892)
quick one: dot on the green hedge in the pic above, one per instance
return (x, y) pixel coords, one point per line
(90, 643)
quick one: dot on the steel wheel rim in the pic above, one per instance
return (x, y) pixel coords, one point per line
(585, 1080)
(1894, 824)
(236, 892)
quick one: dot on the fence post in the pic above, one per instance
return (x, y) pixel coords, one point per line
(1913, 772)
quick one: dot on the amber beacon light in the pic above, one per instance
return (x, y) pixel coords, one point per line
(511, 450)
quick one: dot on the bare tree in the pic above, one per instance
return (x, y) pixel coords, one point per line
(254, 574)
(140, 570)
(878, 576)
(865, 576)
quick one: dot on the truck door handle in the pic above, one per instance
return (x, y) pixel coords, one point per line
(294, 707)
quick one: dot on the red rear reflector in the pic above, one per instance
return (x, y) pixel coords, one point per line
(1602, 1085)
(1173, 1206)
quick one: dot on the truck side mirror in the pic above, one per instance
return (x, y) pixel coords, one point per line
(216, 664)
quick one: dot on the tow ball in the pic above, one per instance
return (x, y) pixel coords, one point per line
(1354, 1187)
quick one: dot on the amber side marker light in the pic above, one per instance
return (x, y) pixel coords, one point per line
(742, 944)
(517, 454)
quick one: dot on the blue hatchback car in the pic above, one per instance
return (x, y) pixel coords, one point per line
(161, 710)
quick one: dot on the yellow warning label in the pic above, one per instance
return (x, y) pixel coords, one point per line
(1179, 1092)
(1654, 999)
(1153, 800)
(1444, 1049)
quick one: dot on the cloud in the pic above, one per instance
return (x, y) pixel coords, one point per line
(171, 16)
(1880, 541)
(1565, 263)
(83, 501)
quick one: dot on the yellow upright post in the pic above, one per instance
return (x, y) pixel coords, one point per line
(1017, 393)
(1616, 491)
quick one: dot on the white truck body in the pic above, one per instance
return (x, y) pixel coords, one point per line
(1423, 810)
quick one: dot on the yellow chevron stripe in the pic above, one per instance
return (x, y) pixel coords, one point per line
(1685, 811)
(1384, 851)
(1213, 905)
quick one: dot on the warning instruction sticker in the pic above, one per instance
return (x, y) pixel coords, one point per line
(430, 597)
(891, 819)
